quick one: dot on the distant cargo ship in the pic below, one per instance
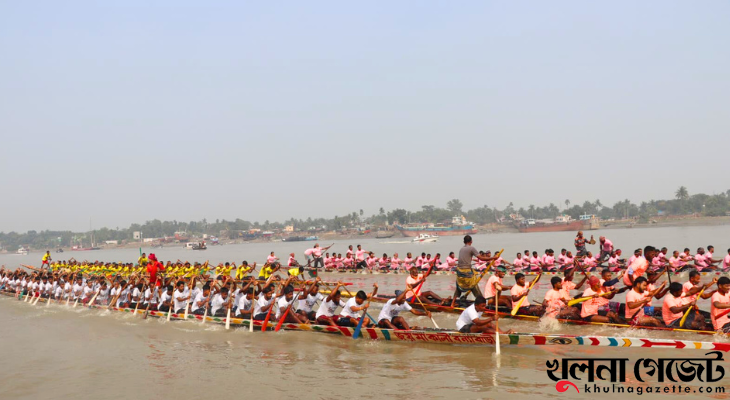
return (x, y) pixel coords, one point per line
(299, 238)
(560, 224)
(459, 226)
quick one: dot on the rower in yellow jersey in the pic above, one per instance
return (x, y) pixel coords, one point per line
(142, 260)
(243, 270)
(268, 270)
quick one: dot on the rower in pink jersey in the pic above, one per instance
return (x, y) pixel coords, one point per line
(495, 285)
(519, 263)
(271, 258)
(606, 248)
(420, 259)
(383, 262)
(589, 262)
(637, 253)
(395, 262)
(408, 262)
(639, 266)
(726, 261)
(348, 262)
(371, 261)
(450, 263)
(534, 262)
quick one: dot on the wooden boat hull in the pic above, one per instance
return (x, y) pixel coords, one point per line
(505, 315)
(437, 336)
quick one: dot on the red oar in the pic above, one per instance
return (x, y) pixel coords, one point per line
(286, 312)
(417, 291)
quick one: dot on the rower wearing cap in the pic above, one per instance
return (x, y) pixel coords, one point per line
(154, 266)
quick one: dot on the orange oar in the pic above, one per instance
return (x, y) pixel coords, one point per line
(286, 312)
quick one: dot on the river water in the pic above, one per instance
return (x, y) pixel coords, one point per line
(60, 352)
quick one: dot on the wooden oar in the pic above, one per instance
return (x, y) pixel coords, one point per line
(93, 299)
(253, 306)
(686, 313)
(519, 303)
(228, 313)
(496, 321)
(424, 308)
(37, 299)
(491, 263)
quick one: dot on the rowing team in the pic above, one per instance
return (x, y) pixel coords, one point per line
(256, 299)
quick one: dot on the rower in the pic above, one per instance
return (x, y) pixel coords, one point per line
(389, 318)
(556, 301)
(720, 303)
(700, 261)
(360, 259)
(395, 261)
(272, 258)
(520, 290)
(417, 280)
(494, 285)
(267, 270)
(221, 303)
(307, 303)
(283, 303)
(592, 310)
(245, 301)
(466, 281)
(692, 287)
(142, 260)
(326, 312)
(636, 299)
(519, 262)
(711, 262)
(201, 301)
(675, 305)
(726, 261)
(87, 291)
(349, 316)
(637, 253)
(180, 298)
(165, 298)
(639, 266)
(264, 302)
(614, 261)
(568, 283)
(471, 321)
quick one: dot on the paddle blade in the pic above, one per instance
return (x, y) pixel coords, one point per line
(358, 328)
(573, 302)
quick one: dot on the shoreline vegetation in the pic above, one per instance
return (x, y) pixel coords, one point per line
(684, 210)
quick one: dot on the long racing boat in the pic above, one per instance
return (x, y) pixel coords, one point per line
(430, 336)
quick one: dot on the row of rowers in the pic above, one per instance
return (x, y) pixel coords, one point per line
(251, 299)
(594, 303)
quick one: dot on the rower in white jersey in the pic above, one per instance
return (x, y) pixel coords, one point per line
(180, 298)
(312, 298)
(201, 302)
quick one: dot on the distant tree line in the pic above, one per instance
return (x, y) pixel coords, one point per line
(682, 204)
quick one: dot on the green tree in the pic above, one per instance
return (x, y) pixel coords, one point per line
(455, 206)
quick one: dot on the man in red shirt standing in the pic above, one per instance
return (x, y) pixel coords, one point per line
(152, 267)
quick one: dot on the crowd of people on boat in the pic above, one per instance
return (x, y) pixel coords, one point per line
(185, 287)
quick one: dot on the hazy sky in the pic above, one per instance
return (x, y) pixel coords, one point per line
(133, 110)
